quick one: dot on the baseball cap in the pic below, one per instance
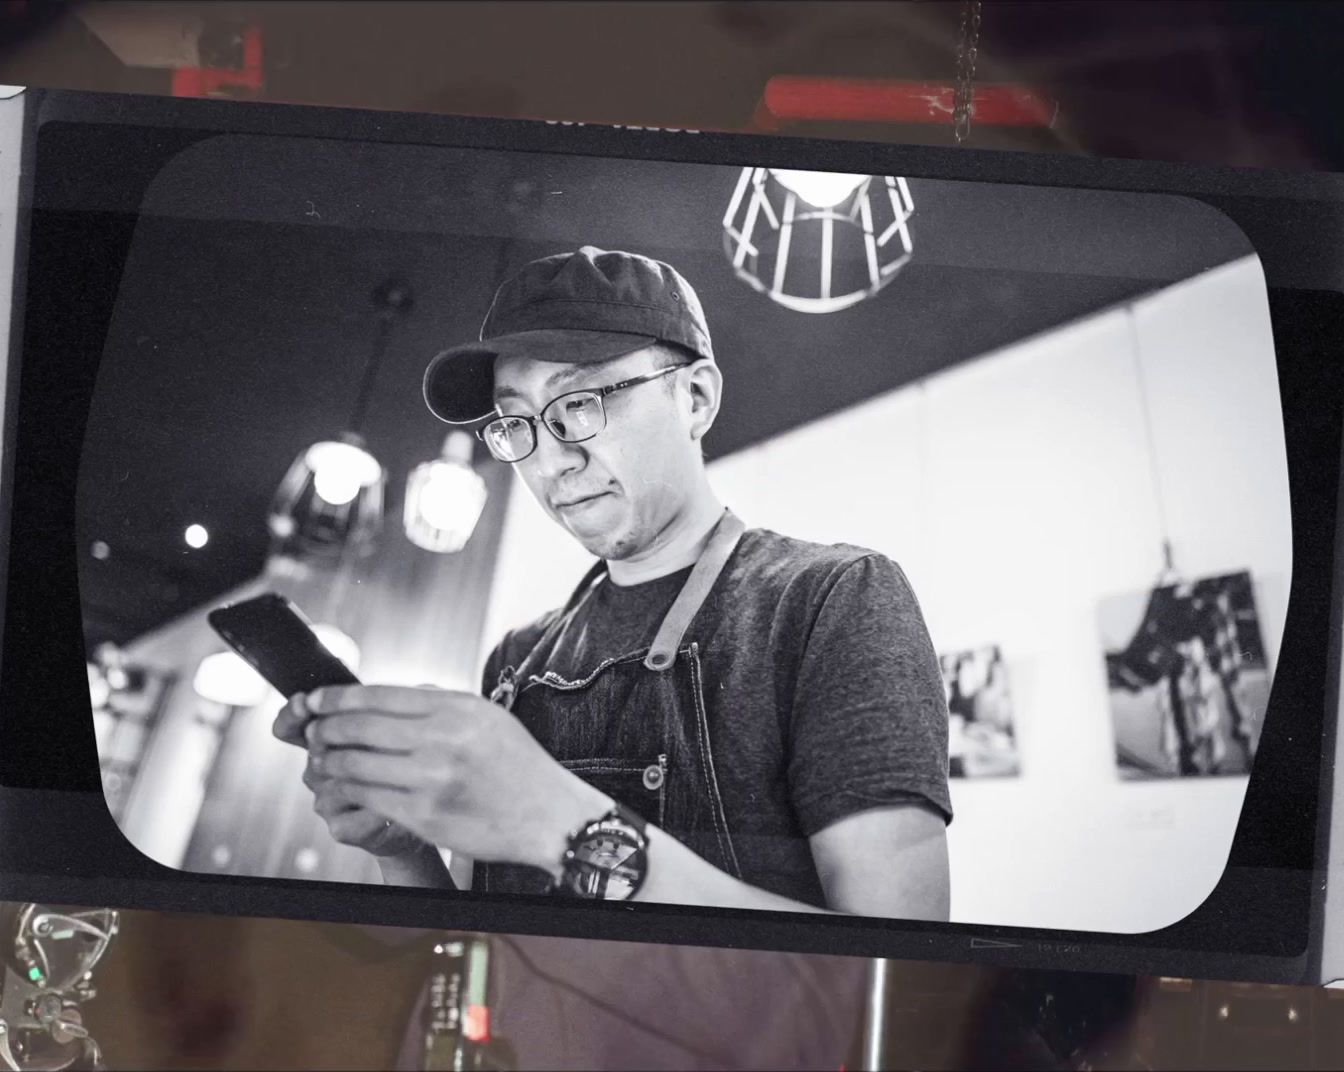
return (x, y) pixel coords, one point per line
(578, 308)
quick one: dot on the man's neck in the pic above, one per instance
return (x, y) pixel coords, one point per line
(677, 547)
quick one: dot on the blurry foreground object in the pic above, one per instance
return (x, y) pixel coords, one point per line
(49, 956)
(458, 1031)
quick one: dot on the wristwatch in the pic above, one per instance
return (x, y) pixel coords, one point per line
(607, 859)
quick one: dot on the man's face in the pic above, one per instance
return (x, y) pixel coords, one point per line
(615, 493)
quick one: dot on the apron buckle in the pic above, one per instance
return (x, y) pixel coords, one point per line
(659, 659)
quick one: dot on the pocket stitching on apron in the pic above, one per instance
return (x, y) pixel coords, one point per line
(559, 682)
(602, 765)
(707, 758)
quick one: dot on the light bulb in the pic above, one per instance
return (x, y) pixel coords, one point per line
(447, 494)
(196, 536)
(821, 189)
(444, 501)
(225, 678)
(341, 471)
(336, 486)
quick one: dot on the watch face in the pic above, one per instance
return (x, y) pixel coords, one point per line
(607, 864)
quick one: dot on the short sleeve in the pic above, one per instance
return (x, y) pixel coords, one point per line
(868, 725)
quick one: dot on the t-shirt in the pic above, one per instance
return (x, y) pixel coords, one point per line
(823, 693)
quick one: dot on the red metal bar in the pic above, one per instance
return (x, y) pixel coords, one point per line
(203, 81)
(793, 98)
(476, 1024)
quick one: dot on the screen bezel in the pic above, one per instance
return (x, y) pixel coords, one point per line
(60, 843)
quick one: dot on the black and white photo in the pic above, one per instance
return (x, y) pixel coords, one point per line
(706, 535)
(1190, 688)
(981, 741)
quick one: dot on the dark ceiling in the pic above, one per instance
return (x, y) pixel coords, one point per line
(244, 317)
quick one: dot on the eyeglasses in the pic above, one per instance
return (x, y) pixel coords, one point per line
(572, 418)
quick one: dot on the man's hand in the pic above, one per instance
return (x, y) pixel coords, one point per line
(452, 768)
(292, 721)
(351, 824)
(346, 822)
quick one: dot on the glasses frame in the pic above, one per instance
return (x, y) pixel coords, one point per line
(600, 393)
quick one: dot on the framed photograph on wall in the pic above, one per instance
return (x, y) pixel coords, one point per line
(1189, 690)
(980, 714)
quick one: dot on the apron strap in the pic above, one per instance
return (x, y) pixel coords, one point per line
(722, 543)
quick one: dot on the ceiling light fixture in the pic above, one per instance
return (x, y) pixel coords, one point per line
(331, 498)
(225, 678)
(817, 241)
(445, 498)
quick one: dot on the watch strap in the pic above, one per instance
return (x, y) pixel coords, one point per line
(627, 816)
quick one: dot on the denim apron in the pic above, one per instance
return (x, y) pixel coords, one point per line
(635, 727)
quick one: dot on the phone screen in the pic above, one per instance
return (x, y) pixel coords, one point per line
(275, 638)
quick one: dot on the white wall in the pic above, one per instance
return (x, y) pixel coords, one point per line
(1018, 492)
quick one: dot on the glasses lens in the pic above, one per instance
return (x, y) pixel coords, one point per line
(509, 438)
(574, 418)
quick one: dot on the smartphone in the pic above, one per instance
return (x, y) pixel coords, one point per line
(275, 638)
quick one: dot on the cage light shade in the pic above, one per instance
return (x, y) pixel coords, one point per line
(225, 678)
(820, 189)
(445, 498)
(330, 499)
(818, 242)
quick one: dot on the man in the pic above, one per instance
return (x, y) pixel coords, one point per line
(717, 717)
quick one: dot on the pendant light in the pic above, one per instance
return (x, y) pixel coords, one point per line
(445, 497)
(817, 241)
(331, 499)
(225, 678)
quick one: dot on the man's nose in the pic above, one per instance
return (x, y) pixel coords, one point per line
(555, 458)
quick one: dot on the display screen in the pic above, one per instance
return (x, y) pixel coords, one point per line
(925, 555)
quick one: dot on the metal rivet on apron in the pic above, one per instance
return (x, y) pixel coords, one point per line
(660, 659)
(653, 777)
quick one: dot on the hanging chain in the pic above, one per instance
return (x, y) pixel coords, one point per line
(968, 43)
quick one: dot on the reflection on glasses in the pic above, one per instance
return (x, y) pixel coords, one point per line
(573, 417)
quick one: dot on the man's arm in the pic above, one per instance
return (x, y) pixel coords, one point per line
(854, 858)
(888, 861)
(453, 769)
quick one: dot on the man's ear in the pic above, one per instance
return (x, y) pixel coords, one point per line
(705, 388)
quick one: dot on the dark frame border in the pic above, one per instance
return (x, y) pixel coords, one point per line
(58, 843)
